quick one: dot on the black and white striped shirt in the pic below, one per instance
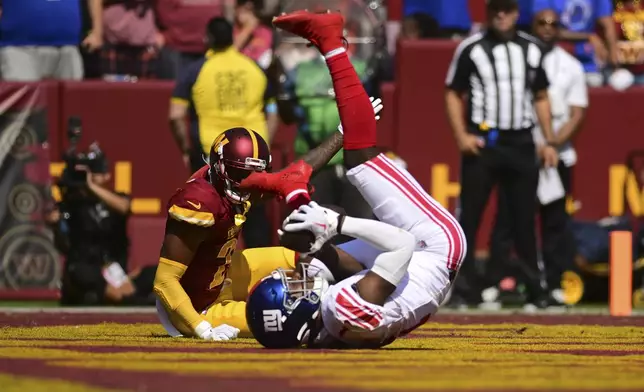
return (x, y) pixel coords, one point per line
(500, 78)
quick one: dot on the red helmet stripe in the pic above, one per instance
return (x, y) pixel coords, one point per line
(253, 138)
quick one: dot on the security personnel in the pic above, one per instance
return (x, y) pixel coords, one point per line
(224, 90)
(501, 72)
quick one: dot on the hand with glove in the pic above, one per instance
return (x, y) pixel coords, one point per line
(322, 222)
(219, 333)
(377, 107)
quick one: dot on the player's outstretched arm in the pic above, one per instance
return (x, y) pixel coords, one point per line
(339, 263)
(322, 154)
(389, 267)
(179, 247)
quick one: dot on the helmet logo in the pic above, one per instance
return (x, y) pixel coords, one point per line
(272, 320)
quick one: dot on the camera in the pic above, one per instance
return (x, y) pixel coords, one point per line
(93, 159)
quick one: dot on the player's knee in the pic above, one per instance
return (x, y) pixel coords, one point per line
(231, 313)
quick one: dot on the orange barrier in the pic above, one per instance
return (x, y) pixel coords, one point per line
(621, 273)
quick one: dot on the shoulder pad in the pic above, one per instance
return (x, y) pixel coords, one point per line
(194, 204)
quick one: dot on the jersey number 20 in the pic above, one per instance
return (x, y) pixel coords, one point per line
(226, 252)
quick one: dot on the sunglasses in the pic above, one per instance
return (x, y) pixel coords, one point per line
(549, 22)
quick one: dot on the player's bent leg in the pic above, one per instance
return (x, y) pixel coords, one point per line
(399, 200)
(231, 313)
(356, 113)
(251, 265)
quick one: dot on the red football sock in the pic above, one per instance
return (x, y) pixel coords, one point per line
(356, 112)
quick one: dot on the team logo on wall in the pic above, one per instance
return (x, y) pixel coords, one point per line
(22, 146)
(25, 201)
(28, 259)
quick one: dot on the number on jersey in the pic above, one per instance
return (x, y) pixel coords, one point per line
(272, 320)
(226, 253)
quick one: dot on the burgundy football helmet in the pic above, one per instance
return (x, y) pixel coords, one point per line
(234, 155)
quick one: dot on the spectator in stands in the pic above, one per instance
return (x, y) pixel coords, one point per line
(90, 226)
(311, 104)
(251, 37)
(629, 19)
(569, 100)
(39, 39)
(580, 19)
(226, 89)
(182, 23)
(453, 16)
(132, 39)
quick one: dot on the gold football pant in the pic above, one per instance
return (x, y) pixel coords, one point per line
(247, 268)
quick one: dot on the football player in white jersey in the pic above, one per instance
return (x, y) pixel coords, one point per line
(394, 276)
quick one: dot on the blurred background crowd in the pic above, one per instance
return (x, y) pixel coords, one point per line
(144, 39)
(206, 47)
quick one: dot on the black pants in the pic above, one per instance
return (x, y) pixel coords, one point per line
(331, 187)
(557, 240)
(512, 165)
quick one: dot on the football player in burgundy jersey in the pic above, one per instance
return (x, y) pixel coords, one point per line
(197, 294)
(205, 217)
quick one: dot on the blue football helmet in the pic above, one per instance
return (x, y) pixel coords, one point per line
(282, 312)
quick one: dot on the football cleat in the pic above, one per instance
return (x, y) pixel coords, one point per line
(287, 183)
(322, 30)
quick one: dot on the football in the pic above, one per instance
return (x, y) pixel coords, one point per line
(299, 241)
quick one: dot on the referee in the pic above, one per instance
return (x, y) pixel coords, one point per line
(569, 97)
(500, 71)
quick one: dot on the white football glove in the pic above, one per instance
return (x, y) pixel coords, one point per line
(219, 333)
(320, 221)
(377, 107)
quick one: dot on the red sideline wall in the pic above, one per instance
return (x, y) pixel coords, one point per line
(130, 122)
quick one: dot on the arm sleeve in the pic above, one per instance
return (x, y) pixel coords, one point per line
(458, 74)
(397, 246)
(172, 295)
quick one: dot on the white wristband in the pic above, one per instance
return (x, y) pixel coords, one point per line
(341, 129)
(203, 328)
